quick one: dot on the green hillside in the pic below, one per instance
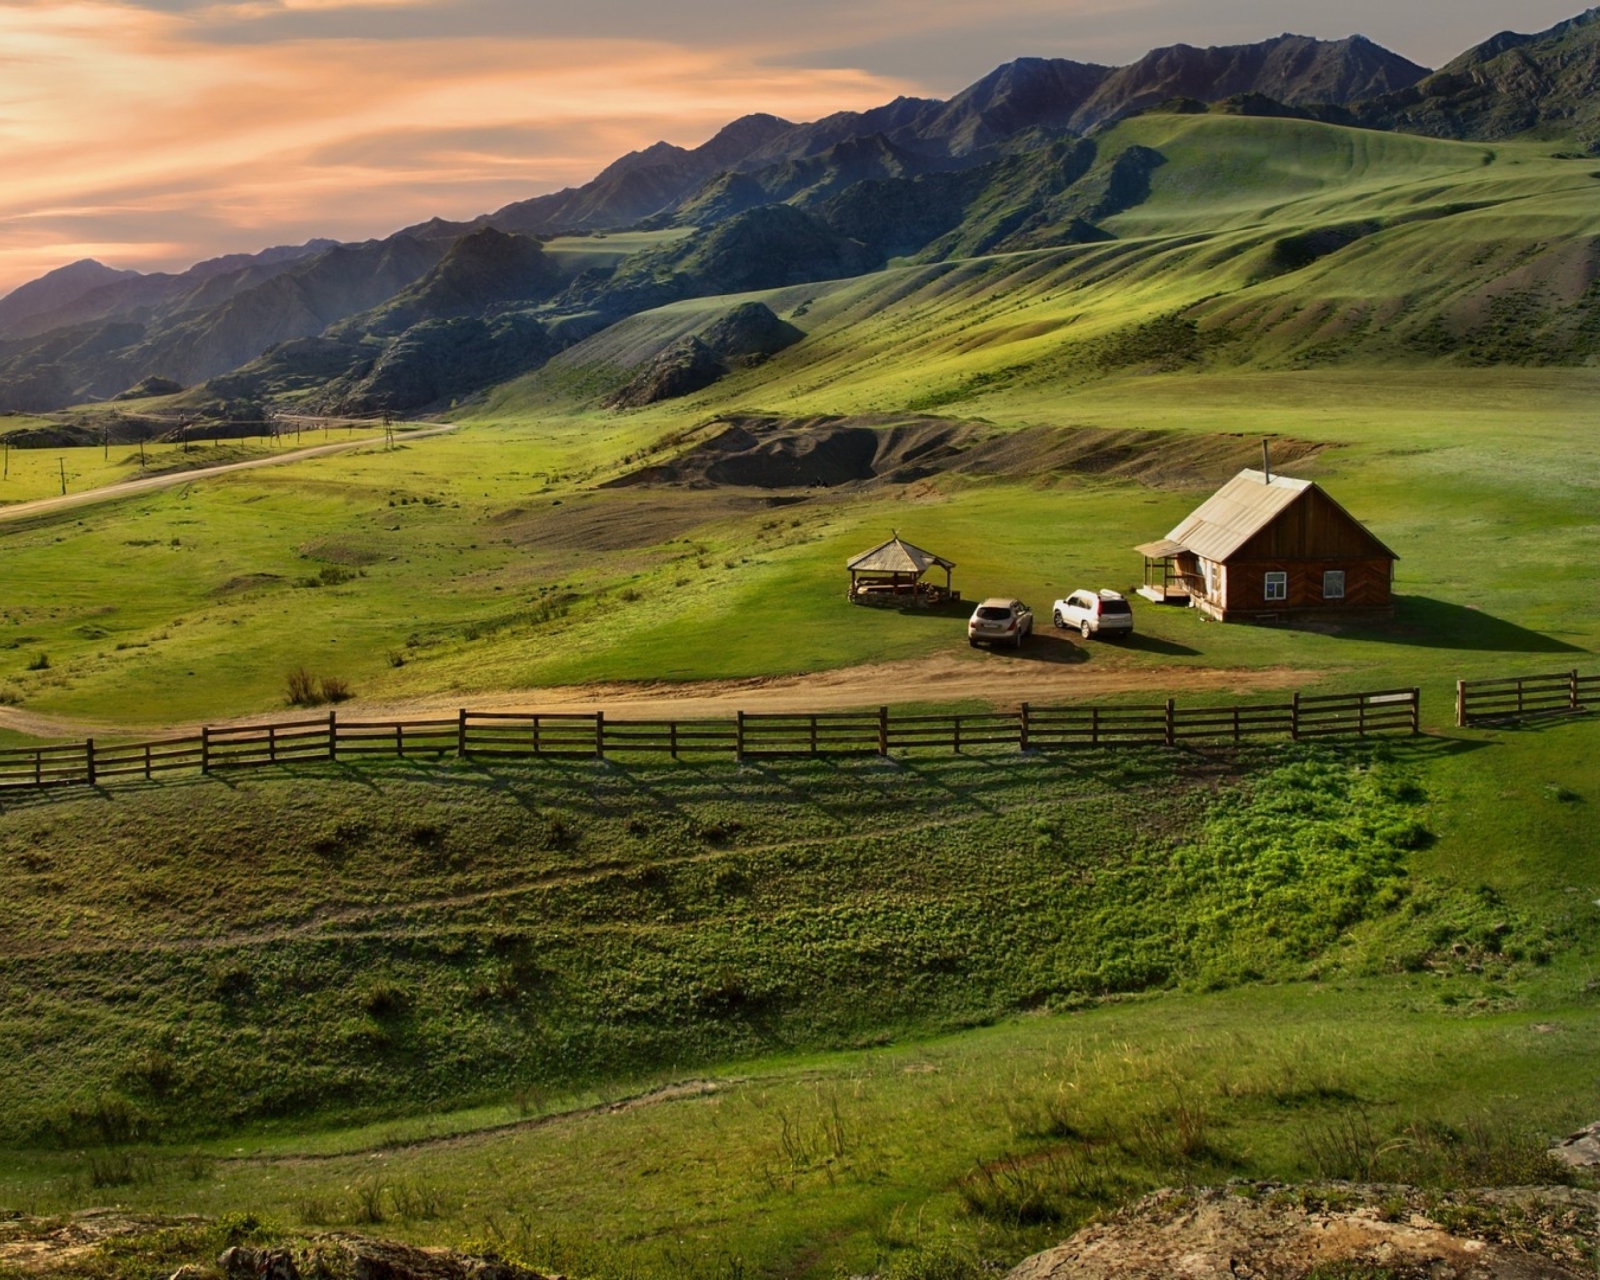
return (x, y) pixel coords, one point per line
(911, 1018)
(1264, 243)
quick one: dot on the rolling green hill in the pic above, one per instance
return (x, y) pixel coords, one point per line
(908, 1018)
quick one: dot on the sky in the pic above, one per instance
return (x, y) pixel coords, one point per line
(154, 133)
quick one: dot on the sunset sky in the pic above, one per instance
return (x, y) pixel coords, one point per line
(152, 134)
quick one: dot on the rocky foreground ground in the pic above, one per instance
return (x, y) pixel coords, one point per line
(1246, 1231)
(1340, 1231)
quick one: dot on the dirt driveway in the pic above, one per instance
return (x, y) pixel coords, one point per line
(1050, 672)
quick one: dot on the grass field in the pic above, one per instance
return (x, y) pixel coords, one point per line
(1373, 965)
(817, 1018)
(484, 561)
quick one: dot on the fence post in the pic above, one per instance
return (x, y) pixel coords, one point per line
(1361, 715)
(1416, 712)
(1094, 726)
(461, 732)
(883, 731)
(1461, 704)
(1572, 689)
(672, 737)
(599, 735)
(205, 748)
(88, 759)
(1023, 740)
(1172, 737)
(1519, 696)
(1294, 719)
(958, 735)
(738, 736)
(147, 762)
(272, 743)
(400, 739)
(813, 735)
(333, 735)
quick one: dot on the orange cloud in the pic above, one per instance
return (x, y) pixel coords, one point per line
(125, 136)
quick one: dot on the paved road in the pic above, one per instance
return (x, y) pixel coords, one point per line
(146, 484)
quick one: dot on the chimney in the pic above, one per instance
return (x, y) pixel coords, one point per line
(1266, 462)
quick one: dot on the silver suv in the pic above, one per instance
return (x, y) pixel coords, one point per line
(1095, 613)
(1000, 621)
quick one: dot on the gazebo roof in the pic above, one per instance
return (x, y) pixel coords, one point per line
(896, 556)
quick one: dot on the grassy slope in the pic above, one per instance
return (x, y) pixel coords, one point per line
(1482, 478)
(604, 926)
(482, 590)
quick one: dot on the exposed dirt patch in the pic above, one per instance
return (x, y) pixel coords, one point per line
(764, 452)
(1049, 672)
(247, 582)
(335, 551)
(45, 1246)
(620, 522)
(1285, 1233)
(94, 1243)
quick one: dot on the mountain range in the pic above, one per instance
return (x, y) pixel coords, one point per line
(1015, 162)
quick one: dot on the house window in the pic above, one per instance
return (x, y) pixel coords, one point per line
(1333, 584)
(1213, 579)
(1277, 586)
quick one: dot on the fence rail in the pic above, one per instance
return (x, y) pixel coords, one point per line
(594, 735)
(1524, 697)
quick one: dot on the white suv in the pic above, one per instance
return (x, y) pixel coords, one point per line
(1000, 621)
(1095, 613)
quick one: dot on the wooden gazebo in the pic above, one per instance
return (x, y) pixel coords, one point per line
(896, 569)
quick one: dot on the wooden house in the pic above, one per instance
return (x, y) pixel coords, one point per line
(896, 568)
(1267, 546)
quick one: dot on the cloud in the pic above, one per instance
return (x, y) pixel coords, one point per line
(118, 122)
(154, 132)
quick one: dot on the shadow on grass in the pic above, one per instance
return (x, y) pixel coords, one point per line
(1046, 646)
(1154, 644)
(1440, 624)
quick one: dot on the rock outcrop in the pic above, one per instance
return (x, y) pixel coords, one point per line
(1275, 1232)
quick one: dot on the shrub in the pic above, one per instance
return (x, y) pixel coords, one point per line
(41, 663)
(303, 690)
(336, 690)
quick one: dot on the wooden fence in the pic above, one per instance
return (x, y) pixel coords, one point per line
(1524, 697)
(594, 735)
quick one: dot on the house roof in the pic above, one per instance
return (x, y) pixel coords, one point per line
(1238, 511)
(896, 556)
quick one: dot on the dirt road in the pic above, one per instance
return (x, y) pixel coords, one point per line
(147, 484)
(999, 679)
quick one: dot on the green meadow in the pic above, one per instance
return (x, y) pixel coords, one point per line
(857, 1017)
(487, 560)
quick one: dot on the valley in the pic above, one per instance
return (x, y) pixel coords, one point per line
(915, 1015)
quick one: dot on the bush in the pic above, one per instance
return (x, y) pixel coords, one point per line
(303, 690)
(41, 663)
(306, 690)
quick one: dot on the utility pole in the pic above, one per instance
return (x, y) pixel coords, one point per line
(7, 444)
(141, 453)
(63, 463)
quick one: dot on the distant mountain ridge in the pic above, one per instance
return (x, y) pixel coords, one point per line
(1044, 96)
(56, 289)
(1508, 85)
(1011, 163)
